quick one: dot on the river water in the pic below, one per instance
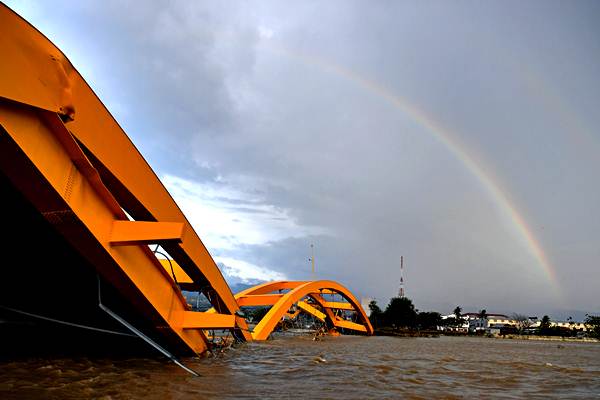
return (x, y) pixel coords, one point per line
(350, 367)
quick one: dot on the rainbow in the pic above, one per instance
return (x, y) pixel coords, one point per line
(444, 136)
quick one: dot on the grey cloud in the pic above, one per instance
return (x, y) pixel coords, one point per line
(208, 97)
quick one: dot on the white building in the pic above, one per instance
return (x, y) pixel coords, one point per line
(493, 323)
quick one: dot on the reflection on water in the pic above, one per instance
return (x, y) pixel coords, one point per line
(342, 367)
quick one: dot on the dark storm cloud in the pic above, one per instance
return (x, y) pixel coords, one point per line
(244, 112)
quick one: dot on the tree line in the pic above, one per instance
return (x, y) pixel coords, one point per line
(401, 313)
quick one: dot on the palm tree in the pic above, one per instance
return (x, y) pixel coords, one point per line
(458, 312)
(376, 313)
(458, 316)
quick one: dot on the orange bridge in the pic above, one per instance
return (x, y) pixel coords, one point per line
(82, 207)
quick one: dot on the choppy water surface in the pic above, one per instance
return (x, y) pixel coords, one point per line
(342, 367)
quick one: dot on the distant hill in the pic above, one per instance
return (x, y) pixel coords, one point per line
(238, 287)
(201, 303)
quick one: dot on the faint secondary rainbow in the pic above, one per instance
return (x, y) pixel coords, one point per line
(445, 137)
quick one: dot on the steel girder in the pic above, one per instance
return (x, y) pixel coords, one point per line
(63, 150)
(272, 294)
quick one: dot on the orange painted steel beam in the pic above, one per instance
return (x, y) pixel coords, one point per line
(40, 75)
(137, 232)
(180, 275)
(38, 164)
(298, 291)
(269, 287)
(342, 323)
(258, 299)
(34, 71)
(311, 310)
(67, 155)
(328, 311)
(122, 169)
(338, 322)
(35, 60)
(335, 320)
(327, 291)
(338, 305)
(200, 320)
(140, 192)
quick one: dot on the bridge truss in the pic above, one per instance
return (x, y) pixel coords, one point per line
(64, 153)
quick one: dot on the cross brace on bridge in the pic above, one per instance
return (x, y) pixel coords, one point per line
(62, 150)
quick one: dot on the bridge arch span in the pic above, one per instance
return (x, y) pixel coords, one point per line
(72, 175)
(263, 294)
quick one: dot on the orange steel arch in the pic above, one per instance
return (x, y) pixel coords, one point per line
(270, 294)
(63, 152)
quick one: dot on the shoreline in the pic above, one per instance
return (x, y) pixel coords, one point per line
(546, 338)
(430, 334)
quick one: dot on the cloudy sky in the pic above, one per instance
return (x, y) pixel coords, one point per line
(461, 135)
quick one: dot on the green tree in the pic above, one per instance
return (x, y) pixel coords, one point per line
(400, 312)
(376, 315)
(449, 322)
(429, 320)
(592, 323)
(544, 325)
(257, 313)
(458, 319)
(483, 314)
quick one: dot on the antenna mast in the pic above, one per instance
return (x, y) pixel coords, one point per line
(401, 291)
(312, 259)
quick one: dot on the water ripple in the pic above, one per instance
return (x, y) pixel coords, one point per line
(343, 367)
